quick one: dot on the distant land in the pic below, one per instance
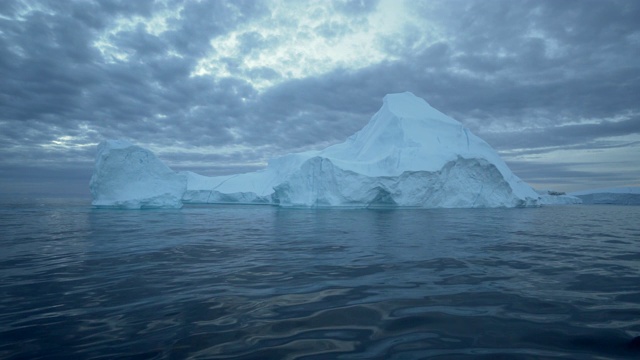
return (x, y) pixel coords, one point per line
(629, 195)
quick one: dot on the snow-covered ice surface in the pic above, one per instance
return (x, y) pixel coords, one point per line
(409, 155)
(629, 195)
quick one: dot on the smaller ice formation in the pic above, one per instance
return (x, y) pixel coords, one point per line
(618, 196)
(408, 155)
(550, 197)
(128, 176)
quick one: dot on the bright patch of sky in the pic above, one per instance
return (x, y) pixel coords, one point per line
(298, 40)
(155, 25)
(303, 39)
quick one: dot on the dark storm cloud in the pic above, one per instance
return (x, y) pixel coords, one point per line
(10, 7)
(201, 21)
(569, 176)
(562, 58)
(55, 76)
(576, 136)
(311, 112)
(549, 173)
(534, 83)
(56, 83)
(214, 164)
(501, 64)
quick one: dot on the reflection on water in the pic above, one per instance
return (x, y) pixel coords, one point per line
(259, 282)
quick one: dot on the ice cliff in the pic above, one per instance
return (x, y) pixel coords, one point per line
(409, 154)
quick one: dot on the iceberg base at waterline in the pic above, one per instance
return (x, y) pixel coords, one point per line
(550, 197)
(408, 155)
(461, 183)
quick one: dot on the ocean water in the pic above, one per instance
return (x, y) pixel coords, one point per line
(260, 282)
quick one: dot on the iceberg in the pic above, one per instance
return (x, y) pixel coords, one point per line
(550, 197)
(408, 155)
(130, 177)
(629, 195)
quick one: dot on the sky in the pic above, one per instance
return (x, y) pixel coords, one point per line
(220, 87)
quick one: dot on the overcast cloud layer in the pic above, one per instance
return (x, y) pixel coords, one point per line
(220, 87)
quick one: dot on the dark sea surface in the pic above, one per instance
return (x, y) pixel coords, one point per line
(260, 282)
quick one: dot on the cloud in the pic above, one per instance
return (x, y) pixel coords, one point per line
(59, 78)
(570, 176)
(574, 135)
(239, 82)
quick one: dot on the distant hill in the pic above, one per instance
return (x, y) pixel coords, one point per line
(619, 196)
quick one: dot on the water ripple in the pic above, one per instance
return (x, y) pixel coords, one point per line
(260, 282)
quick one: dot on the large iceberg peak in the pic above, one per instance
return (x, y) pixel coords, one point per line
(407, 106)
(407, 134)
